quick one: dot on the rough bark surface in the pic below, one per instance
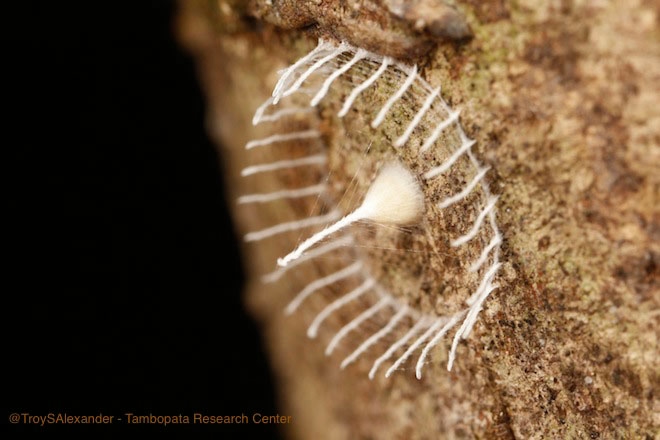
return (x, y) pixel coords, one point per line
(562, 97)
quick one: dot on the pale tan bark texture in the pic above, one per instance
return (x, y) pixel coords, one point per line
(563, 99)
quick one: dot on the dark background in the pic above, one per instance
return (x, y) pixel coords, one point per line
(122, 274)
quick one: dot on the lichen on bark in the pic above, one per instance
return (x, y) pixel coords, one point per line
(562, 99)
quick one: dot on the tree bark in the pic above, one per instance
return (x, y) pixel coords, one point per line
(562, 98)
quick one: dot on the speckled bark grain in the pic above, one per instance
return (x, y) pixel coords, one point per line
(562, 98)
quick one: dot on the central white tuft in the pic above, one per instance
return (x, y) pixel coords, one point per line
(394, 198)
